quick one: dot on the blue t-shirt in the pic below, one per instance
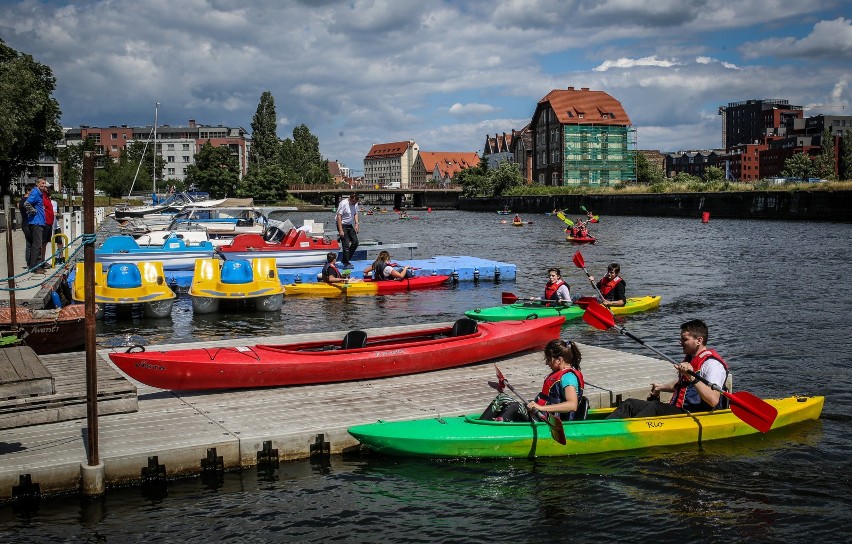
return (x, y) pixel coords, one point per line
(570, 380)
(35, 199)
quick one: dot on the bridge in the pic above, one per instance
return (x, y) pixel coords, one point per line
(415, 197)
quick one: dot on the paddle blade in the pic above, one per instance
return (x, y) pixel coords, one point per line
(583, 302)
(496, 385)
(752, 410)
(579, 262)
(508, 298)
(557, 431)
(501, 379)
(584, 209)
(598, 316)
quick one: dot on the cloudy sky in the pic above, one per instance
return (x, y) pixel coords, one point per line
(443, 73)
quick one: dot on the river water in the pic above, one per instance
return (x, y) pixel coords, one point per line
(774, 294)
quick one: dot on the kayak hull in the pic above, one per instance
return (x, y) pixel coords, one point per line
(581, 239)
(430, 348)
(364, 287)
(533, 310)
(467, 437)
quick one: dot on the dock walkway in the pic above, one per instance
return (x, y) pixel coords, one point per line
(180, 427)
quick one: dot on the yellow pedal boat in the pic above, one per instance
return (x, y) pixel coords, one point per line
(255, 281)
(126, 284)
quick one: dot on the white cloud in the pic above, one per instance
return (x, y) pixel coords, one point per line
(470, 109)
(832, 39)
(630, 63)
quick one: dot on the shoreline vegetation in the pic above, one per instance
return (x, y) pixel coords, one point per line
(679, 187)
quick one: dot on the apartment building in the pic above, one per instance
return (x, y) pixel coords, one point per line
(391, 164)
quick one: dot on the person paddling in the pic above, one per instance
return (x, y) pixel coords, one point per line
(560, 393)
(556, 289)
(688, 393)
(381, 269)
(612, 286)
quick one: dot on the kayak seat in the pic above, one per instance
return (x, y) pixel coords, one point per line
(238, 271)
(463, 327)
(124, 276)
(273, 235)
(354, 340)
(582, 409)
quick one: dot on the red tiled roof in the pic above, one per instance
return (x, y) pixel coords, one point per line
(386, 151)
(585, 107)
(448, 163)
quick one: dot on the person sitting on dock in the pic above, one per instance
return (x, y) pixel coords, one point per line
(330, 273)
(381, 269)
(612, 286)
(556, 289)
(688, 393)
(560, 393)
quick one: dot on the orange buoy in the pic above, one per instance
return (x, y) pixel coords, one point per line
(705, 217)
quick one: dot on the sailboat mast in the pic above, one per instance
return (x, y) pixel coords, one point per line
(156, 113)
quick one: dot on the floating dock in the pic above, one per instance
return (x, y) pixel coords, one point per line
(182, 433)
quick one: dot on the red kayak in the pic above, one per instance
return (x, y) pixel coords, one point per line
(581, 239)
(356, 357)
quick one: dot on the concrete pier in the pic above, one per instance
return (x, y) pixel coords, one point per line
(182, 428)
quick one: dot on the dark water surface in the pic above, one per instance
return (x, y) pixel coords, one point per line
(776, 296)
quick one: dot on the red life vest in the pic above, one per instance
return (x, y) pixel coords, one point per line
(608, 285)
(551, 389)
(551, 288)
(679, 393)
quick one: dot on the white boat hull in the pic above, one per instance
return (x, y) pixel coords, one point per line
(292, 258)
(185, 260)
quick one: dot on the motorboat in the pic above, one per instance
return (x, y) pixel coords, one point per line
(176, 253)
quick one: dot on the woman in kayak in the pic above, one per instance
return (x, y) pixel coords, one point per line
(612, 286)
(556, 289)
(560, 393)
(382, 270)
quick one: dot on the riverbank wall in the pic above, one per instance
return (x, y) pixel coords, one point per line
(781, 205)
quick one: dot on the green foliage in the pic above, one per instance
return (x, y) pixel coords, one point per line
(714, 174)
(265, 146)
(506, 176)
(70, 160)
(301, 156)
(264, 183)
(142, 157)
(30, 115)
(215, 171)
(824, 163)
(798, 166)
(472, 182)
(116, 177)
(845, 159)
(647, 172)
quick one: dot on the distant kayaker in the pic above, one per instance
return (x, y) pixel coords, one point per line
(556, 289)
(560, 393)
(381, 269)
(688, 394)
(517, 219)
(612, 286)
(330, 273)
(348, 227)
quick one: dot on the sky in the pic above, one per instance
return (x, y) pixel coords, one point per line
(443, 73)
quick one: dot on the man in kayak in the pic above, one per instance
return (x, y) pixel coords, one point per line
(612, 286)
(330, 273)
(556, 289)
(560, 393)
(688, 394)
(348, 227)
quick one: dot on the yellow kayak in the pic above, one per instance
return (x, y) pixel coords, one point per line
(636, 304)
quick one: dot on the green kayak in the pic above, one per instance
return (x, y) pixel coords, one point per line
(533, 310)
(467, 436)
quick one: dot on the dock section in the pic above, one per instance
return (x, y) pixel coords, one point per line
(182, 428)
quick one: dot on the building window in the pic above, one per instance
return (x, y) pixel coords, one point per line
(114, 136)
(186, 147)
(170, 158)
(186, 158)
(170, 171)
(170, 147)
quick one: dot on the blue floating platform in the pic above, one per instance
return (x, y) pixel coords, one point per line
(467, 269)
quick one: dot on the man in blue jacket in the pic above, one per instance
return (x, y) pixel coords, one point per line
(34, 204)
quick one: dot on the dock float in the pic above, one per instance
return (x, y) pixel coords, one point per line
(180, 434)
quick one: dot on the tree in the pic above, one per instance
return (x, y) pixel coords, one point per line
(473, 182)
(265, 183)
(824, 163)
(798, 166)
(71, 162)
(302, 157)
(845, 159)
(504, 177)
(215, 171)
(647, 172)
(142, 158)
(116, 177)
(30, 114)
(265, 146)
(713, 173)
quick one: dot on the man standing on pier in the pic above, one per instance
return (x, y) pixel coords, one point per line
(34, 205)
(348, 227)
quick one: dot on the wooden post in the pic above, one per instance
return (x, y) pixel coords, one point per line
(89, 273)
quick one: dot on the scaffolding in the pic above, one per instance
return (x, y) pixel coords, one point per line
(599, 155)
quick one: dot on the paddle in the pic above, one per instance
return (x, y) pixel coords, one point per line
(511, 298)
(567, 221)
(592, 218)
(579, 262)
(557, 431)
(749, 408)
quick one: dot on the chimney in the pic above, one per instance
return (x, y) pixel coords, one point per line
(570, 88)
(192, 123)
(584, 88)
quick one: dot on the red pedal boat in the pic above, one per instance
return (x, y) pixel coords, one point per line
(295, 249)
(356, 357)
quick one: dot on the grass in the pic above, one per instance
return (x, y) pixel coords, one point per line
(675, 187)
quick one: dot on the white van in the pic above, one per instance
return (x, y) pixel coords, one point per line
(393, 185)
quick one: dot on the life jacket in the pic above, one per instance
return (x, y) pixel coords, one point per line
(379, 271)
(551, 288)
(682, 385)
(608, 285)
(330, 271)
(551, 389)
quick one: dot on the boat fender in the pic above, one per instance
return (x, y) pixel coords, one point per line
(54, 297)
(136, 348)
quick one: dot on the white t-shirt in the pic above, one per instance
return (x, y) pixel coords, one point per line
(347, 211)
(713, 371)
